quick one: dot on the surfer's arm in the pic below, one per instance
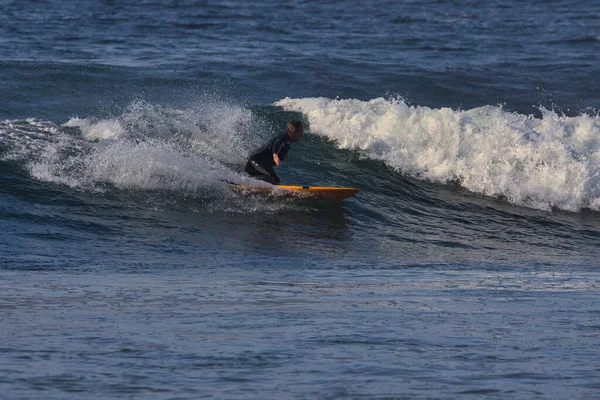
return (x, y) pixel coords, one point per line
(279, 151)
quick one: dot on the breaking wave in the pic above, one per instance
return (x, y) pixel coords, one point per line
(547, 162)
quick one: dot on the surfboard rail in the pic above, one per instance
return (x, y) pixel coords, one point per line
(318, 192)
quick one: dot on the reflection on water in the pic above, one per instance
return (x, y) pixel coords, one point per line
(323, 229)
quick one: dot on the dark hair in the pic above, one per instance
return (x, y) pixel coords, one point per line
(293, 127)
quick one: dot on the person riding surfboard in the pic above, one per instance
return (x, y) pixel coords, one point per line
(260, 164)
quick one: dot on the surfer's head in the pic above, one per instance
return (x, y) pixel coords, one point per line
(294, 130)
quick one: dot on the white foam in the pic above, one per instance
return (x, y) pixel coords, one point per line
(147, 147)
(98, 130)
(549, 162)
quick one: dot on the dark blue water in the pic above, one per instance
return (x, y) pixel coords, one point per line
(467, 265)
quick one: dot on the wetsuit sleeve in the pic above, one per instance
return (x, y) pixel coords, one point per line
(280, 147)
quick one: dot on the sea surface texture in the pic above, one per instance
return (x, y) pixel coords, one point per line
(468, 265)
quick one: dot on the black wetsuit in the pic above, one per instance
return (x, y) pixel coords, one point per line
(260, 164)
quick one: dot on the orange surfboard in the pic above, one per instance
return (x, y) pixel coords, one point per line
(317, 192)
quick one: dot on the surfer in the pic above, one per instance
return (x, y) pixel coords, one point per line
(261, 162)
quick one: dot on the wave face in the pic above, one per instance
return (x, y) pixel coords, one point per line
(542, 163)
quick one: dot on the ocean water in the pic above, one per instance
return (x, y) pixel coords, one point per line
(466, 267)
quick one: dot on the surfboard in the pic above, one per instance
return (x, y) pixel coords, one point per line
(316, 192)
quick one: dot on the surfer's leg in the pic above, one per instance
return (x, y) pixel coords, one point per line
(274, 178)
(264, 178)
(249, 169)
(263, 175)
(261, 172)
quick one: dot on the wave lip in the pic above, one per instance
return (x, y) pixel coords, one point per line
(542, 163)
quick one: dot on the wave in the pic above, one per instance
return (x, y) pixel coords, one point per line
(545, 163)
(147, 147)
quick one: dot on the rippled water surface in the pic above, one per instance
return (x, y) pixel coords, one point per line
(342, 333)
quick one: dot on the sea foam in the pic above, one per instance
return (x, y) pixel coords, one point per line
(543, 163)
(147, 147)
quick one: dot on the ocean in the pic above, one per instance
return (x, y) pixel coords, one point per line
(466, 267)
